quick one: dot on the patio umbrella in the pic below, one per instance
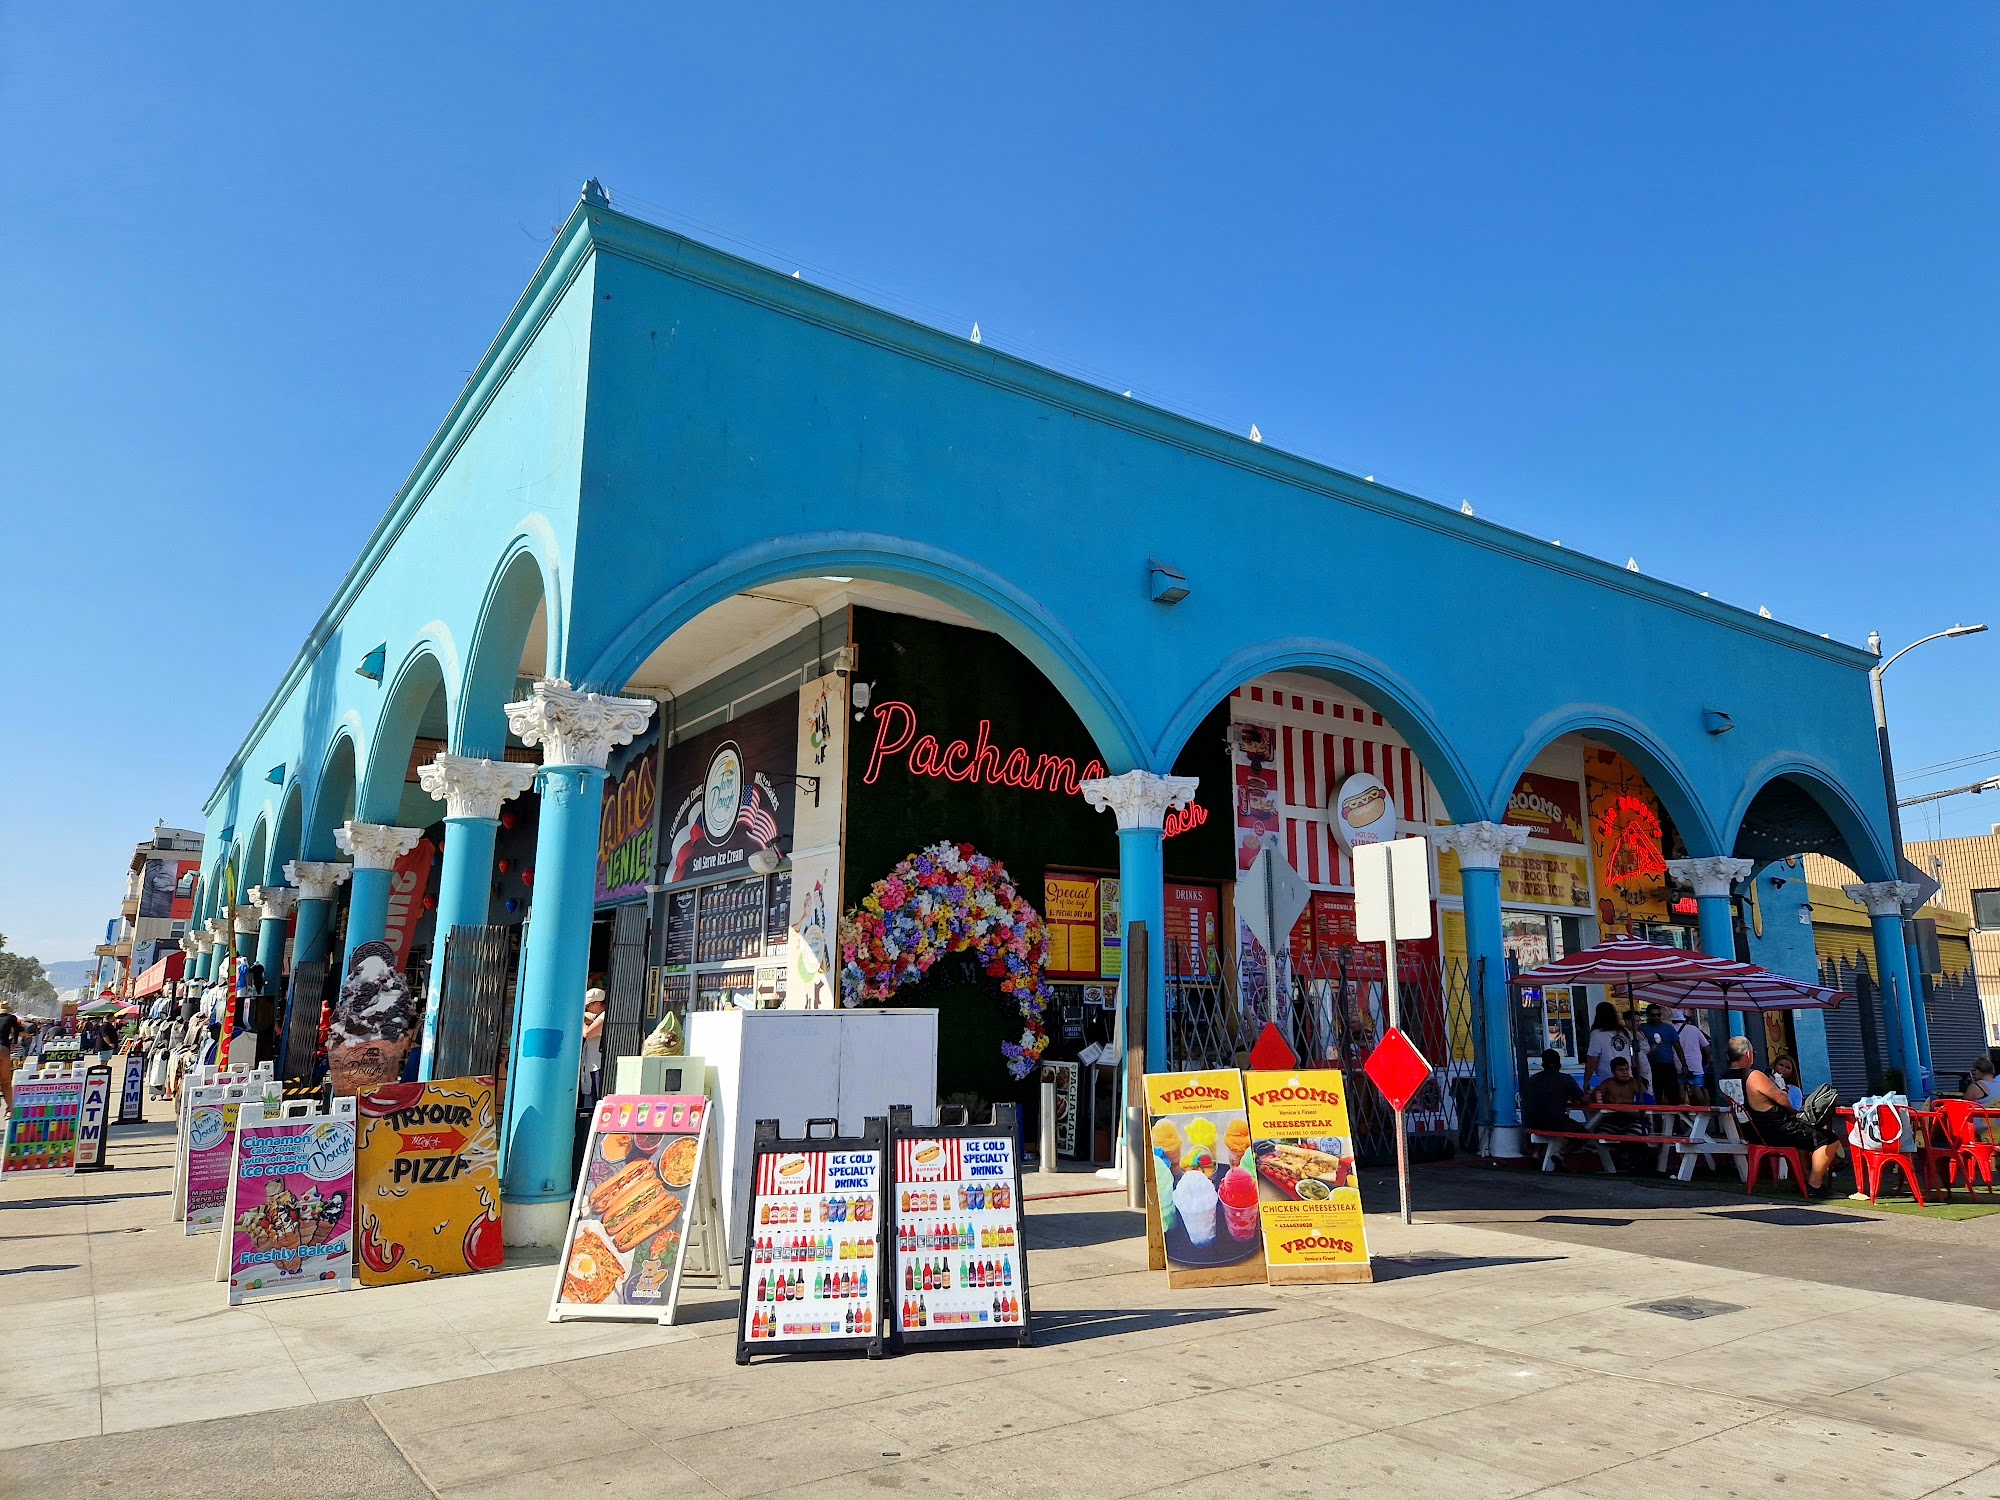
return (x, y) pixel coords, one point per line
(1654, 974)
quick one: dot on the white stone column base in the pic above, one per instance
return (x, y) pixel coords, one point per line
(1503, 1141)
(536, 1224)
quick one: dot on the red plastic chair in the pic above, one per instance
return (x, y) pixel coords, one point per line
(1962, 1150)
(1869, 1165)
(1788, 1156)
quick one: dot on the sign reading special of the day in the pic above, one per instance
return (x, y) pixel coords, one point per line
(961, 1269)
(1302, 1150)
(427, 1181)
(290, 1215)
(1203, 1210)
(812, 1268)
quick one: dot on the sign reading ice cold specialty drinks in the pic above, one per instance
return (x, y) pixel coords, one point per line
(812, 1265)
(961, 1269)
(427, 1181)
(1307, 1196)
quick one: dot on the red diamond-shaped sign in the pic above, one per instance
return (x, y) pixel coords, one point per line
(1396, 1068)
(1272, 1053)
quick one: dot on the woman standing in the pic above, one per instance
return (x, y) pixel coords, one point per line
(1610, 1041)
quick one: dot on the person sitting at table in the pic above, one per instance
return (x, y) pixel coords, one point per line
(1981, 1090)
(1773, 1122)
(1785, 1072)
(1548, 1097)
(1608, 1040)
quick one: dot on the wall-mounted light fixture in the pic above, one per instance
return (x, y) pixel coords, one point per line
(276, 776)
(1166, 584)
(1715, 721)
(371, 664)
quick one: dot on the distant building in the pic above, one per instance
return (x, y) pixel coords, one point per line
(156, 910)
(1969, 871)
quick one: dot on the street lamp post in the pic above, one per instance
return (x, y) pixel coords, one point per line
(1875, 675)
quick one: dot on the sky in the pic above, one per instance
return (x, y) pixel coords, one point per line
(1708, 286)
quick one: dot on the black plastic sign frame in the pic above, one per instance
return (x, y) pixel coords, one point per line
(132, 1089)
(815, 1245)
(93, 1121)
(956, 1191)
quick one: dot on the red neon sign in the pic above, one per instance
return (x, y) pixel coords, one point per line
(896, 739)
(1630, 834)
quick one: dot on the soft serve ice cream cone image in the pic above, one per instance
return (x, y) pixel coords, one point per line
(374, 1022)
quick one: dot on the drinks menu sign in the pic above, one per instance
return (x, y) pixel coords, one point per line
(812, 1271)
(1302, 1154)
(961, 1267)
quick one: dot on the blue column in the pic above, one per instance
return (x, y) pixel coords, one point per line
(1142, 897)
(464, 900)
(203, 962)
(271, 950)
(314, 933)
(541, 1086)
(367, 909)
(1923, 1087)
(1718, 939)
(1898, 1014)
(1486, 977)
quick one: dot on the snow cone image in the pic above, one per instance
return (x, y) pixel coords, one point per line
(374, 1022)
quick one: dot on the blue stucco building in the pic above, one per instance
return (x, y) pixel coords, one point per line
(661, 434)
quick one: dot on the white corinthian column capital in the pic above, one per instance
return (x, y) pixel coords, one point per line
(1139, 799)
(472, 788)
(204, 942)
(246, 918)
(375, 846)
(218, 932)
(1711, 874)
(316, 878)
(1480, 845)
(190, 945)
(1883, 898)
(274, 902)
(577, 729)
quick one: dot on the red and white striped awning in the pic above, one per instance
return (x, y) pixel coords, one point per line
(1654, 974)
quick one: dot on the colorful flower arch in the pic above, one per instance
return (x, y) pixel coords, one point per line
(948, 899)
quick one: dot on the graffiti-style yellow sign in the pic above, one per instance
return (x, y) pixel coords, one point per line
(427, 1177)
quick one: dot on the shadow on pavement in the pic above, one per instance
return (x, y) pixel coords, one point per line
(1073, 1230)
(78, 1199)
(1791, 1218)
(24, 1270)
(1073, 1325)
(1403, 1267)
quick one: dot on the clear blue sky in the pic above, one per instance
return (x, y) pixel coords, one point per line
(1712, 286)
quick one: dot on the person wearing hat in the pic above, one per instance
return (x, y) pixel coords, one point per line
(592, 1079)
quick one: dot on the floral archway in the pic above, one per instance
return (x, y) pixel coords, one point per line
(945, 899)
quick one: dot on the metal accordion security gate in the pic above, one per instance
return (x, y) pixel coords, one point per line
(625, 985)
(1332, 1015)
(299, 1048)
(480, 972)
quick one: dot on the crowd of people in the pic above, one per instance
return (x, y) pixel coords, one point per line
(1666, 1062)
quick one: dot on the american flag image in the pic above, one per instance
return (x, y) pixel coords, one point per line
(756, 818)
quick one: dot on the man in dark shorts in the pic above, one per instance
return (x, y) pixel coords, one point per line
(1663, 1051)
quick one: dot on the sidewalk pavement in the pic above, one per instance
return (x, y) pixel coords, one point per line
(1482, 1363)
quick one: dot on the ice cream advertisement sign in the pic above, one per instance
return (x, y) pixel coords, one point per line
(1302, 1154)
(1204, 1203)
(291, 1203)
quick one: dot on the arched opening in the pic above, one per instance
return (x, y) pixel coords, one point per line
(816, 735)
(256, 857)
(288, 843)
(1317, 755)
(1808, 841)
(511, 644)
(333, 798)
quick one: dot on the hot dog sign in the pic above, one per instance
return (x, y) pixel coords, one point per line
(1363, 811)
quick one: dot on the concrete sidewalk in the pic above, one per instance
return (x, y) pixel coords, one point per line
(1483, 1363)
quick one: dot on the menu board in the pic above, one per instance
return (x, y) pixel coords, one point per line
(961, 1268)
(289, 1222)
(778, 910)
(639, 1199)
(41, 1127)
(1193, 926)
(427, 1181)
(680, 929)
(1069, 917)
(812, 1271)
(93, 1118)
(732, 922)
(1203, 1210)
(211, 1149)
(1308, 1196)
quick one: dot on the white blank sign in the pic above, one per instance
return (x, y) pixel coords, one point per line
(1401, 866)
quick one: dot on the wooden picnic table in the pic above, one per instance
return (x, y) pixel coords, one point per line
(1691, 1130)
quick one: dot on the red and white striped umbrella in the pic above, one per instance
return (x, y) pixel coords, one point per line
(1654, 974)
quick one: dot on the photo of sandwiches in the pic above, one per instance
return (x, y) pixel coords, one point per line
(634, 1203)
